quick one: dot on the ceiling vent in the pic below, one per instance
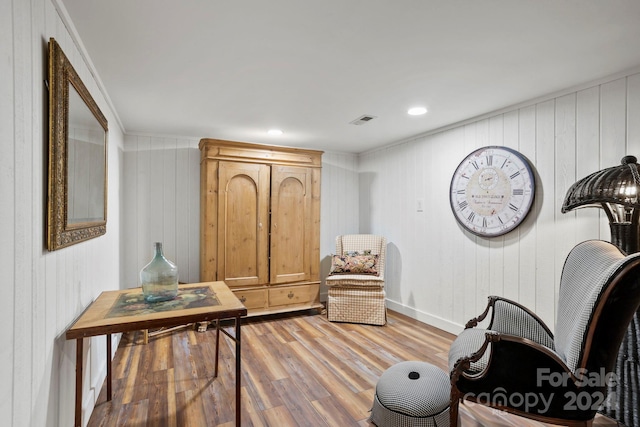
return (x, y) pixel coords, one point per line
(362, 119)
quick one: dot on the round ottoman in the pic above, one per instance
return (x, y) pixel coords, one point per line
(412, 394)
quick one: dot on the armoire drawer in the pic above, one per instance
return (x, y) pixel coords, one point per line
(290, 295)
(252, 299)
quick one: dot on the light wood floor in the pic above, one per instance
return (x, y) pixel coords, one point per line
(298, 370)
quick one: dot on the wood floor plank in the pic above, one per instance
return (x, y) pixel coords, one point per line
(215, 399)
(172, 410)
(298, 370)
(279, 417)
(333, 413)
(191, 408)
(341, 362)
(300, 410)
(163, 356)
(185, 372)
(329, 379)
(121, 364)
(256, 376)
(371, 353)
(271, 365)
(281, 328)
(132, 376)
(145, 371)
(132, 413)
(251, 414)
(158, 410)
(310, 328)
(206, 344)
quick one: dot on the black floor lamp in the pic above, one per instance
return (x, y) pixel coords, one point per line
(617, 190)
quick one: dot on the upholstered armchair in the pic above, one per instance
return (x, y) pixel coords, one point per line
(517, 365)
(356, 280)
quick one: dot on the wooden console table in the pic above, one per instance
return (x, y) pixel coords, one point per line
(125, 310)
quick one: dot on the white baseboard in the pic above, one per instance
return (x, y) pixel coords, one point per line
(438, 322)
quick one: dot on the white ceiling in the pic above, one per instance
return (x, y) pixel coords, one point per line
(232, 69)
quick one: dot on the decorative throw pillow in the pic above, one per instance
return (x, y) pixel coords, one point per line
(354, 264)
(356, 253)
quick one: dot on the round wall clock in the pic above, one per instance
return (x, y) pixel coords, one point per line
(492, 191)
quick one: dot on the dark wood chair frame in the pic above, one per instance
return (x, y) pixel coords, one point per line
(514, 362)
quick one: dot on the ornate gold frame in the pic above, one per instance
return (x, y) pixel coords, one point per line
(60, 231)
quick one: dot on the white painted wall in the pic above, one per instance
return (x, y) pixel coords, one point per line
(339, 205)
(42, 292)
(162, 200)
(441, 274)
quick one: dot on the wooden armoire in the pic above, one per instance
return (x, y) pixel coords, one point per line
(260, 223)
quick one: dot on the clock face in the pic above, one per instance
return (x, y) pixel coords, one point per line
(492, 191)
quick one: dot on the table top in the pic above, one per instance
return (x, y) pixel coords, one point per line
(125, 310)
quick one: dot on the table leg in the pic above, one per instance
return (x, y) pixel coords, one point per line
(108, 367)
(215, 372)
(238, 372)
(79, 362)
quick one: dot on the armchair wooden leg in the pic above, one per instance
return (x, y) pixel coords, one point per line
(454, 403)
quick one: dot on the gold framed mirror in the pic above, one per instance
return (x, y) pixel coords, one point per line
(78, 132)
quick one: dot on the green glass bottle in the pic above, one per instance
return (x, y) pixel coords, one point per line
(159, 278)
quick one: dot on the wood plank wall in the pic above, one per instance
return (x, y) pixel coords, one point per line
(42, 292)
(162, 199)
(441, 274)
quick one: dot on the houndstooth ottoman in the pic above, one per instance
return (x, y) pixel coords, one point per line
(412, 394)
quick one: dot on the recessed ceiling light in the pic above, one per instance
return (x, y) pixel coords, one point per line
(417, 111)
(274, 132)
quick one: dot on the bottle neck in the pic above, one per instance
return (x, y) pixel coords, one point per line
(158, 249)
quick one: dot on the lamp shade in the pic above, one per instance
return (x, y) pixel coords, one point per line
(615, 190)
(617, 185)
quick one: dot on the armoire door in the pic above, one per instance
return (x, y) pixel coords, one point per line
(243, 218)
(291, 197)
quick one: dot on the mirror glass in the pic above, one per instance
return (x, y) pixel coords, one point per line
(85, 163)
(78, 132)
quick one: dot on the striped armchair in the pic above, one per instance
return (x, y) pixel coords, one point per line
(358, 298)
(518, 365)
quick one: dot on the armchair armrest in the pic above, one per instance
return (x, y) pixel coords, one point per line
(512, 318)
(474, 322)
